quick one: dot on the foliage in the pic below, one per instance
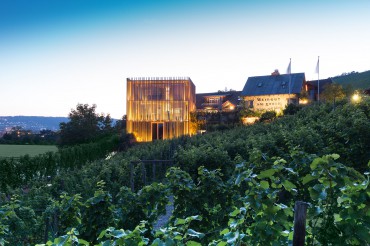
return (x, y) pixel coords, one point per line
(98, 213)
(250, 113)
(291, 109)
(21, 171)
(18, 223)
(341, 212)
(255, 206)
(209, 198)
(240, 184)
(84, 126)
(215, 121)
(355, 79)
(268, 116)
(70, 239)
(196, 122)
(333, 92)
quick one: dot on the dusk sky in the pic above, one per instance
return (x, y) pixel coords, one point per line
(55, 54)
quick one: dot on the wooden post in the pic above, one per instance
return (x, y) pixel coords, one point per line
(132, 177)
(46, 233)
(153, 172)
(143, 172)
(55, 224)
(300, 211)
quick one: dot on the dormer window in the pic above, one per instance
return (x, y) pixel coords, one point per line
(283, 84)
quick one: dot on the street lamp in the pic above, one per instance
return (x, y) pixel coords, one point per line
(356, 97)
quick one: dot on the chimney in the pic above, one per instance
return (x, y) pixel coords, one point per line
(275, 73)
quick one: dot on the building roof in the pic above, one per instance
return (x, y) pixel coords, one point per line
(274, 84)
(323, 82)
(159, 80)
(231, 96)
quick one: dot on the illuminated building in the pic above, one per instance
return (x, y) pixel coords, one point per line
(273, 92)
(159, 108)
(218, 101)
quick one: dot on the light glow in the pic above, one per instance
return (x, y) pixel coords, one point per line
(356, 97)
(159, 108)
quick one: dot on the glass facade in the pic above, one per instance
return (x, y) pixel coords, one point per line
(159, 108)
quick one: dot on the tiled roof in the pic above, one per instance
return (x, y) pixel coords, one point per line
(274, 84)
(323, 82)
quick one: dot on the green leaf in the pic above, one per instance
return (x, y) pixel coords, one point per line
(335, 156)
(231, 237)
(60, 241)
(233, 223)
(307, 178)
(318, 210)
(266, 173)
(316, 162)
(193, 233)
(282, 206)
(290, 170)
(192, 243)
(264, 184)
(235, 213)
(288, 185)
(191, 218)
(180, 222)
(169, 242)
(323, 195)
(221, 244)
(285, 233)
(118, 233)
(158, 242)
(84, 242)
(242, 176)
(337, 218)
(318, 192)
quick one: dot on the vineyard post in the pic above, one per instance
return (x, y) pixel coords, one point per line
(153, 171)
(143, 172)
(132, 177)
(300, 211)
(46, 233)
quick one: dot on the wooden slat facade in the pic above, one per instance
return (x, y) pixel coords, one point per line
(159, 108)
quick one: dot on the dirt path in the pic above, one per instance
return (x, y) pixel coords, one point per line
(163, 219)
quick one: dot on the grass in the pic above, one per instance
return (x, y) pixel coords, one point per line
(7, 150)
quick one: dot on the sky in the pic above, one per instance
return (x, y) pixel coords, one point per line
(56, 54)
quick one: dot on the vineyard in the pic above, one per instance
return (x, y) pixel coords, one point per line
(232, 187)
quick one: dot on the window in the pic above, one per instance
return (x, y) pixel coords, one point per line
(260, 84)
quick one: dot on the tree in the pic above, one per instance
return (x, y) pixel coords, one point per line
(84, 126)
(333, 92)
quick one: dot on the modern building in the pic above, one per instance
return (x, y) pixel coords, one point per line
(217, 101)
(159, 108)
(273, 92)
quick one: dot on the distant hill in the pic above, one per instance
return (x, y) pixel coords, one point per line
(33, 123)
(355, 80)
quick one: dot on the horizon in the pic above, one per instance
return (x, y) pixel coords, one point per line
(61, 53)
